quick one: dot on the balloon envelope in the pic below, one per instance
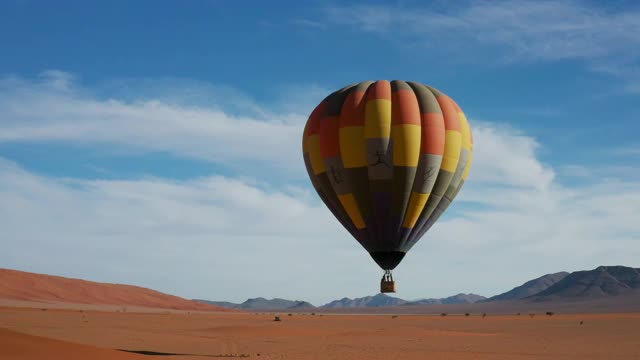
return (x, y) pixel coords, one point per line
(387, 158)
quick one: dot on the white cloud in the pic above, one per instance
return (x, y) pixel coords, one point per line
(224, 238)
(506, 156)
(57, 110)
(517, 31)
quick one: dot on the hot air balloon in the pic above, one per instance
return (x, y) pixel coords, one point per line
(387, 159)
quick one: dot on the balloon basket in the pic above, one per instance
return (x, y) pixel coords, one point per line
(387, 285)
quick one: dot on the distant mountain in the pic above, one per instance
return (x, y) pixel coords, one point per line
(455, 299)
(302, 305)
(224, 304)
(378, 300)
(275, 304)
(368, 301)
(603, 281)
(261, 303)
(531, 287)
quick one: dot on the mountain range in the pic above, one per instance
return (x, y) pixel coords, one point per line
(455, 299)
(530, 288)
(602, 282)
(261, 303)
(379, 300)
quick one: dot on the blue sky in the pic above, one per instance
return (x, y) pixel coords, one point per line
(150, 142)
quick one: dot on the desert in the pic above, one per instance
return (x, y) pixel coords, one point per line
(61, 334)
(45, 324)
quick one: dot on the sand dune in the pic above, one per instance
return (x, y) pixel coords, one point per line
(39, 288)
(17, 346)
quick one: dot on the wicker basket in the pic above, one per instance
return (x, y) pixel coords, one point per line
(387, 286)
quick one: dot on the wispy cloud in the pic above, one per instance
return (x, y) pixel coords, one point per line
(628, 150)
(576, 171)
(516, 31)
(309, 23)
(56, 109)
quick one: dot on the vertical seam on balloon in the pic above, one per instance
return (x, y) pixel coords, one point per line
(330, 192)
(360, 107)
(465, 130)
(422, 139)
(415, 231)
(379, 227)
(403, 212)
(351, 217)
(421, 110)
(424, 228)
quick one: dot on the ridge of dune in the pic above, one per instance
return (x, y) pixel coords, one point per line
(26, 286)
(16, 345)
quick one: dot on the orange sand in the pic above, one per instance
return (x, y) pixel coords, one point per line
(24, 286)
(351, 337)
(21, 346)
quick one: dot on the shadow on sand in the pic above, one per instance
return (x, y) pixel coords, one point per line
(156, 353)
